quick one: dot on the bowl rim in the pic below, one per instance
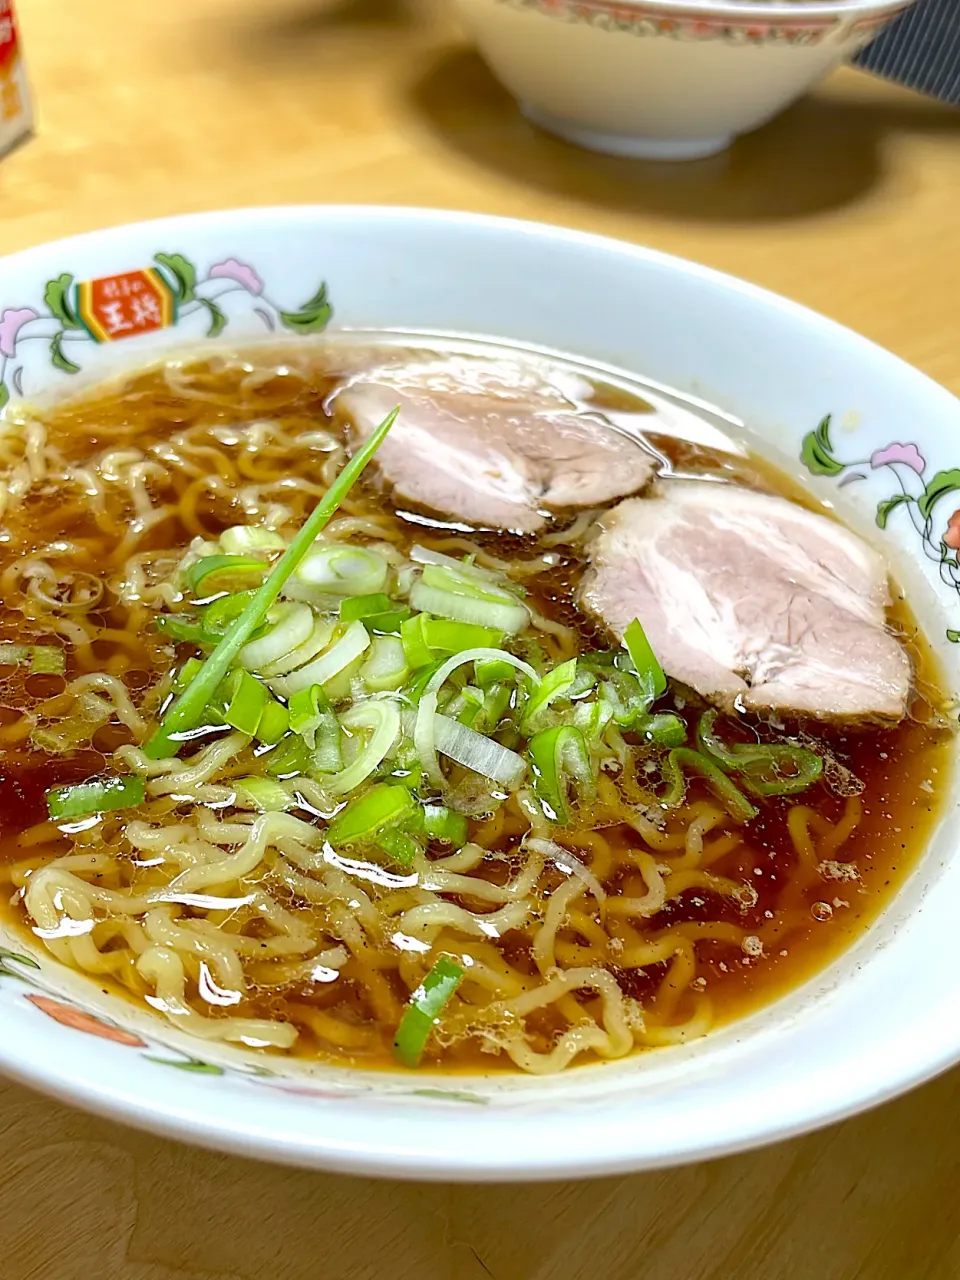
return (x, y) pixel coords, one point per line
(759, 11)
(399, 1150)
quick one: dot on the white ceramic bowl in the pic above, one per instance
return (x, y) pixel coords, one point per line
(666, 79)
(883, 1017)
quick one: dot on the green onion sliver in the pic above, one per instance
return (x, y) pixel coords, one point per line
(455, 637)
(475, 609)
(82, 799)
(265, 794)
(219, 573)
(423, 1011)
(666, 730)
(649, 670)
(385, 666)
(42, 659)
(307, 710)
(475, 751)
(775, 769)
(553, 685)
(364, 606)
(241, 538)
(384, 805)
(381, 722)
(683, 758)
(247, 700)
(186, 709)
(559, 755)
(445, 824)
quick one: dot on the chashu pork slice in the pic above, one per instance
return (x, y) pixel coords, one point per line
(751, 600)
(489, 446)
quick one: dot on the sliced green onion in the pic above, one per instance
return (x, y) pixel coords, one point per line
(308, 708)
(413, 690)
(247, 699)
(289, 626)
(184, 628)
(423, 1011)
(400, 846)
(467, 705)
(182, 715)
(290, 756)
(241, 538)
(43, 659)
(553, 685)
(381, 721)
(445, 824)
(387, 623)
(626, 697)
(354, 641)
(364, 606)
(649, 671)
(465, 579)
(475, 751)
(488, 671)
(683, 758)
(344, 571)
(776, 769)
(187, 672)
(384, 805)
(446, 669)
(415, 646)
(558, 756)
(461, 568)
(478, 609)
(454, 637)
(96, 796)
(592, 718)
(496, 703)
(274, 723)
(266, 794)
(315, 643)
(327, 754)
(666, 730)
(224, 573)
(218, 615)
(385, 667)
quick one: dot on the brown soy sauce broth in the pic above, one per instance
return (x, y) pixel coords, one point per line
(803, 918)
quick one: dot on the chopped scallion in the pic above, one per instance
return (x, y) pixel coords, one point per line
(182, 715)
(385, 805)
(445, 824)
(246, 702)
(364, 606)
(224, 573)
(424, 1009)
(560, 756)
(649, 671)
(42, 659)
(82, 799)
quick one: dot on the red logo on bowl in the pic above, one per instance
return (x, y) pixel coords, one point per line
(8, 35)
(125, 305)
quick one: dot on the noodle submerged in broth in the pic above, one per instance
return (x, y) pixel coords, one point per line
(431, 811)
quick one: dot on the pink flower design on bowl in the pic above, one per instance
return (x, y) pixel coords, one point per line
(242, 272)
(908, 454)
(11, 322)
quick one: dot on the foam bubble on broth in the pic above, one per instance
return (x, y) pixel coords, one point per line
(137, 470)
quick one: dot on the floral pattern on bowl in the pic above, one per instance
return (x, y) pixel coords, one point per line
(130, 304)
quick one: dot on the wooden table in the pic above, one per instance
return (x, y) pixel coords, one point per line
(850, 203)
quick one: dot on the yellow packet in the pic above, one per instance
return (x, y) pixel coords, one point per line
(16, 109)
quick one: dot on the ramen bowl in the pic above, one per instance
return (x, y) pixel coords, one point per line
(879, 1019)
(665, 79)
